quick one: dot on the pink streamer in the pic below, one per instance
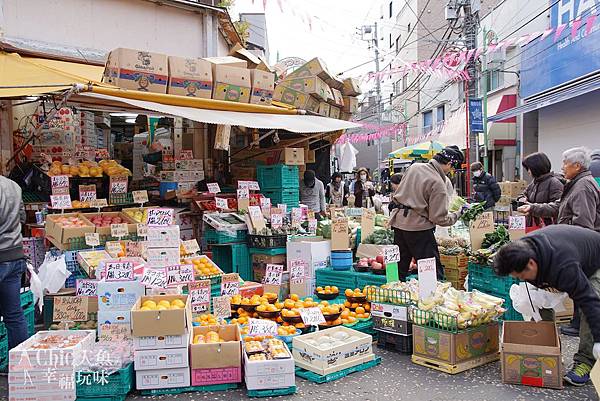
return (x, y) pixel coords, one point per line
(559, 30)
(589, 24)
(546, 33)
(575, 27)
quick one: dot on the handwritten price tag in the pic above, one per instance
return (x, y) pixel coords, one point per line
(199, 292)
(140, 196)
(154, 278)
(60, 201)
(70, 309)
(112, 332)
(59, 184)
(230, 284)
(119, 230)
(296, 215)
(312, 316)
(118, 184)
(273, 274)
(191, 246)
(92, 239)
(276, 219)
(160, 217)
(427, 277)
(113, 248)
(222, 307)
(134, 249)
(391, 254)
(221, 203)
(119, 271)
(297, 271)
(87, 193)
(516, 222)
(179, 274)
(98, 203)
(262, 327)
(243, 193)
(253, 186)
(244, 185)
(142, 230)
(86, 288)
(282, 207)
(213, 187)
(312, 226)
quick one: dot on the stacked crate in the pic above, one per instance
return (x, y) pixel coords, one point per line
(280, 183)
(483, 278)
(455, 269)
(390, 311)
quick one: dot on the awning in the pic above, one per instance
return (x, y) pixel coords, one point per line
(290, 122)
(577, 89)
(503, 132)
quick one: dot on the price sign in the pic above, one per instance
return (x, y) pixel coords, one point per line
(87, 193)
(190, 246)
(265, 204)
(310, 214)
(297, 271)
(282, 207)
(243, 193)
(92, 239)
(312, 226)
(118, 184)
(134, 249)
(253, 186)
(221, 203)
(59, 184)
(391, 254)
(140, 196)
(273, 274)
(230, 284)
(60, 202)
(516, 222)
(340, 240)
(199, 292)
(113, 248)
(244, 185)
(86, 287)
(262, 327)
(222, 307)
(114, 332)
(119, 230)
(427, 277)
(213, 187)
(70, 309)
(312, 316)
(154, 278)
(142, 230)
(160, 217)
(117, 270)
(98, 203)
(255, 212)
(179, 274)
(186, 154)
(296, 215)
(276, 219)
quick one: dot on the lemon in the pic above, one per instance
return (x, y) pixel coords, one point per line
(176, 306)
(165, 303)
(150, 304)
(162, 307)
(178, 302)
(145, 308)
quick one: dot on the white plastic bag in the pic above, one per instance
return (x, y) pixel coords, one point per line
(53, 273)
(35, 284)
(522, 300)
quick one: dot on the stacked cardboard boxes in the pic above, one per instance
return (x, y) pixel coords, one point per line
(137, 70)
(59, 136)
(216, 363)
(314, 255)
(190, 77)
(88, 129)
(115, 300)
(231, 79)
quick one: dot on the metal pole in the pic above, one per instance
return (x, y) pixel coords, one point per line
(484, 82)
(470, 32)
(468, 153)
(378, 89)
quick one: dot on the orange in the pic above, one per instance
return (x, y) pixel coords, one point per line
(294, 297)
(347, 304)
(360, 310)
(348, 292)
(367, 307)
(334, 289)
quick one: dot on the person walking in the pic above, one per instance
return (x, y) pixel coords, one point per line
(363, 189)
(565, 258)
(312, 193)
(485, 186)
(337, 191)
(545, 187)
(12, 261)
(421, 203)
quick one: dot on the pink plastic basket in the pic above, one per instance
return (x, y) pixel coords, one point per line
(206, 377)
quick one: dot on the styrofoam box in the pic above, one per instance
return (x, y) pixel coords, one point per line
(316, 255)
(160, 342)
(161, 359)
(53, 385)
(54, 396)
(114, 316)
(118, 295)
(270, 374)
(360, 344)
(163, 257)
(60, 359)
(162, 378)
(163, 237)
(36, 376)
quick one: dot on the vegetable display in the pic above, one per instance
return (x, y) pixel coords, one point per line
(474, 211)
(456, 204)
(380, 236)
(490, 245)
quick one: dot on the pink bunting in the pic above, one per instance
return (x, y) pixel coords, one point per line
(491, 48)
(589, 24)
(547, 33)
(575, 27)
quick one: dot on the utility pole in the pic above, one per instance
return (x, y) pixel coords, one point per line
(470, 26)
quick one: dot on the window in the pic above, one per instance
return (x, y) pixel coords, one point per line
(398, 44)
(440, 114)
(404, 82)
(391, 8)
(495, 79)
(398, 87)
(427, 121)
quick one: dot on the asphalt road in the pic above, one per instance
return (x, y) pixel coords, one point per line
(397, 378)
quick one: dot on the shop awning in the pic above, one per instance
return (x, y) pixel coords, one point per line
(580, 88)
(290, 122)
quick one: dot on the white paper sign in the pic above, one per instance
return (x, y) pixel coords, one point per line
(262, 327)
(276, 220)
(119, 270)
(312, 226)
(113, 248)
(265, 203)
(297, 271)
(213, 187)
(59, 184)
(282, 207)
(92, 239)
(230, 284)
(140, 196)
(296, 214)
(154, 278)
(160, 217)
(516, 222)
(312, 316)
(190, 246)
(60, 201)
(86, 287)
(391, 254)
(87, 193)
(119, 230)
(179, 274)
(199, 292)
(253, 186)
(222, 306)
(221, 203)
(427, 277)
(142, 230)
(98, 203)
(243, 193)
(273, 274)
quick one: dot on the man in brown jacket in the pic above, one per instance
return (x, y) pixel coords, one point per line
(421, 203)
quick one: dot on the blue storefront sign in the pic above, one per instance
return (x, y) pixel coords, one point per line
(476, 115)
(546, 64)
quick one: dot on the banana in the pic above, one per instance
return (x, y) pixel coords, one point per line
(512, 358)
(551, 362)
(462, 351)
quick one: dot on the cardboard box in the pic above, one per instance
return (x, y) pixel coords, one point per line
(345, 116)
(231, 83)
(119, 295)
(263, 85)
(162, 378)
(188, 165)
(310, 85)
(454, 261)
(350, 104)
(295, 98)
(254, 61)
(161, 359)
(512, 189)
(316, 254)
(324, 109)
(162, 257)
(112, 317)
(163, 237)
(334, 112)
(171, 322)
(190, 77)
(531, 354)
(338, 98)
(48, 396)
(391, 318)
(137, 70)
(218, 355)
(316, 67)
(351, 353)
(351, 87)
(309, 156)
(131, 224)
(161, 342)
(227, 61)
(60, 235)
(454, 348)
(270, 374)
(293, 156)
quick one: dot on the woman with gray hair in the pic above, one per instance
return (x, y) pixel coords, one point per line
(580, 201)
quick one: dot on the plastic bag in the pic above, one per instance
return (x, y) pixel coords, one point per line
(53, 273)
(540, 299)
(35, 284)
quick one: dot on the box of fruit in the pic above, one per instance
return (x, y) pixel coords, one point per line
(268, 365)
(167, 315)
(90, 260)
(160, 342)
(332, 350)
(137, 214)
(216, 347)
(102, 221)
(204, 267)
(60, 228)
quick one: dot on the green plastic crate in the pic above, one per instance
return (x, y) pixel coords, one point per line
(277, 392)
(119, 383)
(277, 177)
(511, 313)
(212, 236)
(190, 389)
(343, 279)
(484, 279)
(104, 398)
(2, 331)
(364, 279)
(3, 353)
(26, 299)
(267, 251)
(30, 319)
(319, 379)
(288, 196)
(233, 258)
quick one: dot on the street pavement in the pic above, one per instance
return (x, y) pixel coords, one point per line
(396, 378)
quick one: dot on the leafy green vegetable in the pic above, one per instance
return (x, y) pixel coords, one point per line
(456, 204)
(381, 236)
(381, 220)
(498, 238)
(473, 212)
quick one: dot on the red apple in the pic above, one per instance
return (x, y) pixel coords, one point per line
(379, 259)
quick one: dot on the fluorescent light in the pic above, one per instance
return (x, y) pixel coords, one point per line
(130, 120)
(127, 115)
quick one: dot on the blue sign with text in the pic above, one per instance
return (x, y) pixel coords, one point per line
(476, 115)
(546, 64)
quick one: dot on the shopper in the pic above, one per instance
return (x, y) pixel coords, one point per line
(312, 192)
(363, 189)
(12, 261)
(485, 186)
(580, 202)
(565, 258)
(545, 187)
(421, 203)
(337, 191)
(595, 165)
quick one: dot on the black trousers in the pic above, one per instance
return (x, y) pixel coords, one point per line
(418, 245)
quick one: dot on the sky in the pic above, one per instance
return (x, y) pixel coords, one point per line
(332, 37)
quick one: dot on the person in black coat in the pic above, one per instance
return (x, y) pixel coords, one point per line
(485, 187)
(566, 258)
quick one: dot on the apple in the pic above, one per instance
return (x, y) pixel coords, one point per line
(376, 265)
(379, 259)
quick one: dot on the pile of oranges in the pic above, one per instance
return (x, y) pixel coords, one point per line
(203, 267)
(89, 169)
(328, 290)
